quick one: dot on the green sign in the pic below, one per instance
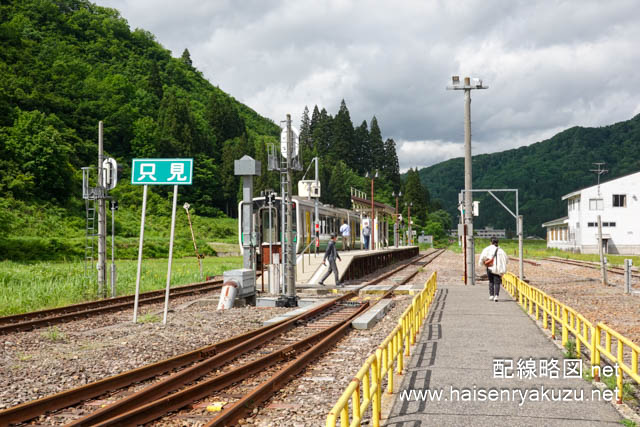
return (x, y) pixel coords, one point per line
(162, 171)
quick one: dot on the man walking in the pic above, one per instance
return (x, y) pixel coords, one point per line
(366, 233)
(495, 260)
(345, 231)
(331, 254)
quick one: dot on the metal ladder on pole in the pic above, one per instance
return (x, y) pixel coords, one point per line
(89, 246)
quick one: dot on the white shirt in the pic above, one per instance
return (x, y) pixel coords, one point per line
(345, 230)
(499, 263)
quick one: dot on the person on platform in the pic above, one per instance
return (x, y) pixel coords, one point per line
(345, 232)
(366, 233)
(495, 260)
(331, 254)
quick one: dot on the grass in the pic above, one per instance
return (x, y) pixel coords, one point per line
(627, 388)
(53, 334)
(149, 318)
(31, 286)
(571, 353)
(538, 249)
(38, 232)
(628, 423)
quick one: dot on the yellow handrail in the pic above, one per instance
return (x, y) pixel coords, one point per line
(365, 389)
(586, 334)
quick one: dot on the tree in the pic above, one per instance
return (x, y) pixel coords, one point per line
(391, 168)
(39, 156)
(376, 146)
(416, 194)
(186, 58)
(362, 148)
(178, 134)
(145, 137)
(343, 138)
(323, 133)
(305, 129)
(225, 121)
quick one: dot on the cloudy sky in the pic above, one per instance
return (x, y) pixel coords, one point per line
(549, 64)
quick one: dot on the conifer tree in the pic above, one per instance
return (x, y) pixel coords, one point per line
(323, 133)
(362, 148)
(313, 124)
(415, 193)
(305, 129)
(392, 167)
(186, 58)
(376, 146)
(343, 138)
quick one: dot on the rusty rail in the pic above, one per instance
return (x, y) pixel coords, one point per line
(38, 319)
(588, 264)
(205, 359)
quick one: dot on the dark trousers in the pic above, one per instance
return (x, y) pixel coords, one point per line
(495, 281)
(334, 267)
(366, 242)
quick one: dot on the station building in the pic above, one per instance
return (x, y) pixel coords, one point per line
(616, 202)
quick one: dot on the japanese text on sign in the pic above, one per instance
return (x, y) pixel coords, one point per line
(162, 171)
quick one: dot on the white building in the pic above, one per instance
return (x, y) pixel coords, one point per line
(616, 202)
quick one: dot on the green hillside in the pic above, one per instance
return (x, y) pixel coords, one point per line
(65, 65)
(542, 172)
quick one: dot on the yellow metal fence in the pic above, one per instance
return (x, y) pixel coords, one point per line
(365, 390)
(560, 317)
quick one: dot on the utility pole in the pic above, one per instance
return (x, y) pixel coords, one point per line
(317, 217)
(599, 171)
(468, 197)
(603, 264)
(102, 218)
(291, 258)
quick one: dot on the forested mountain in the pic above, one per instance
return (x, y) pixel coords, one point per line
(66, 64)
(542, 172)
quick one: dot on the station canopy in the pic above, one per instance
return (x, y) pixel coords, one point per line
(362, 205)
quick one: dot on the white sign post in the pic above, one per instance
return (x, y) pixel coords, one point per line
(159, 172)
(137, 297)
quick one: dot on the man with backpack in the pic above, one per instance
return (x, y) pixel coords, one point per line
(495, 260)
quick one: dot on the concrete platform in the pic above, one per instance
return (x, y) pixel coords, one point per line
(463, 336)
(310, 268)
(293, 313)
(369, 319)
(302, 301)
(409, 289)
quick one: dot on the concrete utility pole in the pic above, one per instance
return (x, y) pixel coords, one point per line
(468, 197)
(603, 264)
(291, 258)
(317, 217)
(102, 219)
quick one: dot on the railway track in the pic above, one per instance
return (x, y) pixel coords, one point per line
(245, 370)
(587, 264)
(39, 319)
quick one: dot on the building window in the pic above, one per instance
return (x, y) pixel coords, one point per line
(619, 200)
(596, 204)
(608, 224)
(592, 224)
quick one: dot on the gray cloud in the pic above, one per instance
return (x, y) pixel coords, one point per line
(549, 65)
